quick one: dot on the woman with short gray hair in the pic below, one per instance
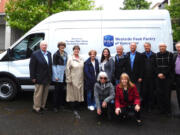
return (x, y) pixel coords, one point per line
(104, 94)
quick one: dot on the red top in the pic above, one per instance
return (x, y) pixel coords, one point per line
(133, 97)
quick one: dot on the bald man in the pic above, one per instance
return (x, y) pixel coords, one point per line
(40, 72)
(176, 68)
(120, 63)
(164, 62)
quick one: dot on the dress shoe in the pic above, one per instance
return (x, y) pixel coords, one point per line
(55, 110)
(44, 109)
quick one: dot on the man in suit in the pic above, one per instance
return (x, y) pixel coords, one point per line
(164, 63)
(40, 72)
(176, 68)
(148, 77)
(135, 65)
(120, 63)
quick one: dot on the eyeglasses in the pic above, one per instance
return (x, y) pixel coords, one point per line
(103, 78)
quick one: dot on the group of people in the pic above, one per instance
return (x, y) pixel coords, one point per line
(122, 83)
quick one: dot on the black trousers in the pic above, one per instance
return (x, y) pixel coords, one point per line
(108, 111)
(130, 109)
(178, 89)
(148, 92)
(59, 95)
(163, 94)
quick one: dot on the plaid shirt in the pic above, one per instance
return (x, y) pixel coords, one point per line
(164, 63)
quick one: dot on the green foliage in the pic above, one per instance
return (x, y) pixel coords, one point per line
(24, 14)
(136, 4)
(174, 10)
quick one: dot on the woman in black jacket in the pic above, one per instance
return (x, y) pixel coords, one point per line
(59, 65)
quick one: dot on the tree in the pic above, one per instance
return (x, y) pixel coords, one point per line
(136, 4)
(174, 10)
(24, 14)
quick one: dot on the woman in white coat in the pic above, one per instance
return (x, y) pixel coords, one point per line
(75, 79)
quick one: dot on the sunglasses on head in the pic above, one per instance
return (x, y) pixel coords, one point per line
(103, 78)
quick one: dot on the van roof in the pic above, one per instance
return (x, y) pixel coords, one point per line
(112, 15)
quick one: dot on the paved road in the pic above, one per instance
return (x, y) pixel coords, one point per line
(16, 118)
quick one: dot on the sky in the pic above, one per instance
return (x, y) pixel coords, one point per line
(116, 4)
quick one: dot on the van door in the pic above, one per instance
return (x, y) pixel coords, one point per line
(20, 56)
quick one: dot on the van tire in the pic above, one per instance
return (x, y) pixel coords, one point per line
(8, 89)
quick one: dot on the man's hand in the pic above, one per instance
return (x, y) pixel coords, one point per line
(57, 79)
(161, 76)
(33, 80)
(140, 80)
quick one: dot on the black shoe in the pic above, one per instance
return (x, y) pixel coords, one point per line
(139, 123)
(37, 112)
(55, 110)
(44, 109)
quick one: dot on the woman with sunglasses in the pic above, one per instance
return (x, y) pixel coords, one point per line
(127, 98)
(107, 64)
(104, 94)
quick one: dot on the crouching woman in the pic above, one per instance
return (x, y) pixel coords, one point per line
(104, 94)
(127, 98)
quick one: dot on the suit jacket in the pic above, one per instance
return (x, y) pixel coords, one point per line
(133, 97)
(39, 68)
(149, 65)
(174, 62)
(137, 70)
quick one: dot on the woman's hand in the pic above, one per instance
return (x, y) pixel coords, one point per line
(137, 108)
(99, 111)
(117, 111)
(104, 104)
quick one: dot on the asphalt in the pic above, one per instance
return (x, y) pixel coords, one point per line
(17, 118)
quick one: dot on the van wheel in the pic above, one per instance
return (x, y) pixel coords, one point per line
(8, 89)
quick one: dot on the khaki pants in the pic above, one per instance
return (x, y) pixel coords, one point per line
(40, 96)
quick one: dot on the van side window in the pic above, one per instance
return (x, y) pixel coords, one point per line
(24, 49)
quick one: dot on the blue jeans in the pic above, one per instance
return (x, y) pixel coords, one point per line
(90, 98)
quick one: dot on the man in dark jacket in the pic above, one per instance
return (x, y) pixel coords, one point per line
(148, 77)
(164, 64)
(135, 65)
(120, 63)
(40, 72)
(176, 68)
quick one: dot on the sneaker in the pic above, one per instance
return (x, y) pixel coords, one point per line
(88, 107)
(91, 108)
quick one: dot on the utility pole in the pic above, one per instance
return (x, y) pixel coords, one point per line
(49, 6)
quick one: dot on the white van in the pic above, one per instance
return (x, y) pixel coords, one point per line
(88, 29)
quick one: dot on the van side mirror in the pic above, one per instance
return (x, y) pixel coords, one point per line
(9, 54)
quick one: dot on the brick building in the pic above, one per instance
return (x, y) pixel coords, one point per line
(7, 35)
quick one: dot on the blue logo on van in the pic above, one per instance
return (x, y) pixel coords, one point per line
(108, 40)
